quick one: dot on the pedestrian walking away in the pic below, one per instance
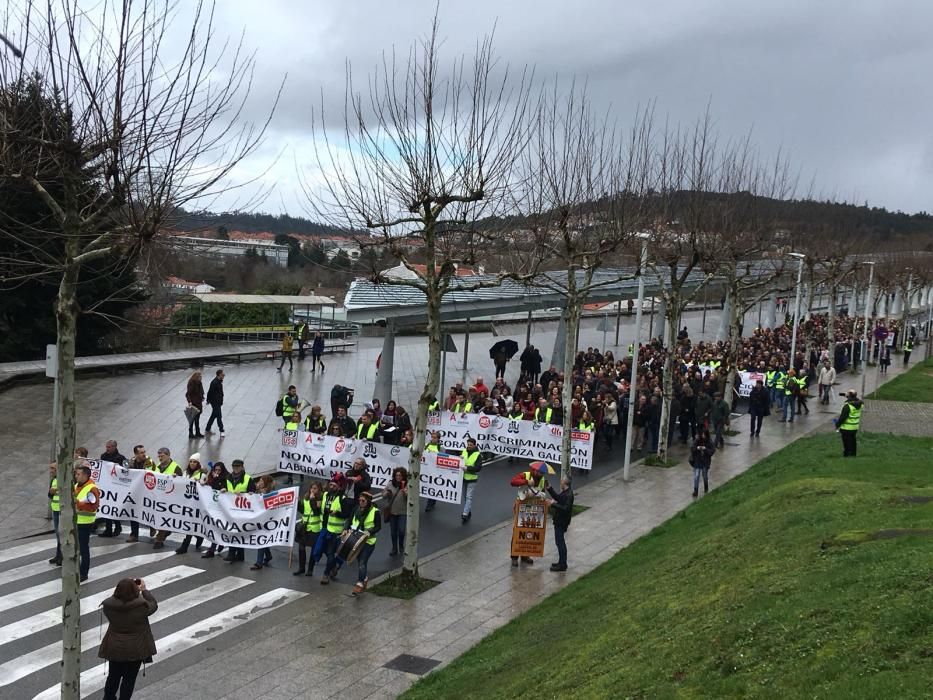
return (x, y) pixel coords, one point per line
(287, 344)
(215, 399)
(561, 512)
(128, 642)
(908, 348)
(848, 423)
(302, 333)
(194, 395)
(317, 351)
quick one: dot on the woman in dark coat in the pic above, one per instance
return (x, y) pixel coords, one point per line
(194, 395)
(128, 642)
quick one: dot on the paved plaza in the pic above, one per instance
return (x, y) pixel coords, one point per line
(226, 632)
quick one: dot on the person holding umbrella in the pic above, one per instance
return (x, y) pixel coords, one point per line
(501, 353)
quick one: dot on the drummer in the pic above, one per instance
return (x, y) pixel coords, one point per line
(367, 519)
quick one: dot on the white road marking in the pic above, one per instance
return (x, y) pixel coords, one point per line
(43, 567)
(176, 643)
(51, 618)
(25, 664)
(24, 550)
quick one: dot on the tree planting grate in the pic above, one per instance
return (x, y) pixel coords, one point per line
(418, 665)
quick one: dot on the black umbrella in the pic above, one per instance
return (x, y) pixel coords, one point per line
(509, 347)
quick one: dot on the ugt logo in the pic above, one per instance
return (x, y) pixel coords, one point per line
(242, 502)
(191, 489)
(513, 427)
(369, 450)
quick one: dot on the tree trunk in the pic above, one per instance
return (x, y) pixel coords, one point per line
(66, 312)
(736, 312)
(905, 317)
(672, 311)
(572, 326)
(831, 320)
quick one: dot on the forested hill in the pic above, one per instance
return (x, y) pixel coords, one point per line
(873, 222)
(254, 223)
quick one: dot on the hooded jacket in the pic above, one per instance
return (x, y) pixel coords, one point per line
(129, 637)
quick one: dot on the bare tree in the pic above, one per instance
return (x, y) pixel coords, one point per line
(126, 129)
(583, 193)
(424, 156)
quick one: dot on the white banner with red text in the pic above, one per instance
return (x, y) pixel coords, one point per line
(511, 438)
(179, 504)
(322, 456)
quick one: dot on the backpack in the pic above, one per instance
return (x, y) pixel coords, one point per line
(278, 408)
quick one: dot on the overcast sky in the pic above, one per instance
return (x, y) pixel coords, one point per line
(845, 87)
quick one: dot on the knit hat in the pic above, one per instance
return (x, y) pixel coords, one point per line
(196, 457)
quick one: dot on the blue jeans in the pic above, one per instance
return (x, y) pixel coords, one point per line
(84, 548)
(697, 471)
(56, 516)
(262, 554)
(561, 543)
(470, 487)
(777, 397)
(788, 408)
(362, 560)
(397, 525)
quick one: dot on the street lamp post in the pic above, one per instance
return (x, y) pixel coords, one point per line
(793, 337)
(636, 341)
(866, 351)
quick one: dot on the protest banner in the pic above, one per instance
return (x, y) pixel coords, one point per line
(529, 525)
(511, 438)
(322, 456)
(182, 505)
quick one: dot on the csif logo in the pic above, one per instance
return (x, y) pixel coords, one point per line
(242, 502)
(395, 451)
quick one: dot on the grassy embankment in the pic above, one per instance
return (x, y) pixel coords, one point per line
(915, 385)
(809, 576)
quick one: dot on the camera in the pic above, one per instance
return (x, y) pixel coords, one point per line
(137, 581)
(843, 394)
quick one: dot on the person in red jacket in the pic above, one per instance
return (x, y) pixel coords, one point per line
(531, 483)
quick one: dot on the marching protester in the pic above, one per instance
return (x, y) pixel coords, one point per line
(334, 510)
(365, 519)
(128, 642)
(265, 484)
(758, 407)
(530, 484)
(216, 479)
(87, 501)
(289, 403)
(359, 477)
(215, 399)
(194, 395)
(472, 466)
(720, 416)
(848, 423)
(309, 528)
(168, 467)
(111, 453)
(56, 506)
(314, 422)
(238, 482)
(562, 512)
(195, 472)
(433, 446)
(140, 461)
(396, 509)
(701, 456)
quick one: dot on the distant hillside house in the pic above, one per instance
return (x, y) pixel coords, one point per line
(257, 243)
(176, 285)
(400, 272)
(332, 247)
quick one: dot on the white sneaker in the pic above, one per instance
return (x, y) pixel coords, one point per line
(223, 434)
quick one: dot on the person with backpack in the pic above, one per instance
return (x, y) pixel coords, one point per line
(287, 406)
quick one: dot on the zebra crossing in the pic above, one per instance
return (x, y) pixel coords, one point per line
(196, 605)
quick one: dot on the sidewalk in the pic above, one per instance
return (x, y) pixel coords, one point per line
(337, 646)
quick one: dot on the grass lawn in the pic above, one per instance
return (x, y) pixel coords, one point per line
(794, 580)
(915, 385)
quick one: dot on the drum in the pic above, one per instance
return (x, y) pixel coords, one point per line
(350, 545)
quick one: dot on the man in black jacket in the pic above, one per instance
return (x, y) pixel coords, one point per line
(562, 511)
(215, 398)
(112, 528)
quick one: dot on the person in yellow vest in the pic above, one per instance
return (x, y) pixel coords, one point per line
(908, 348)
(56, 506)
(309, 527)
(169, 467)
(848, 423)
(368, 429)
(472, 465)
(366, 518)
(293, 422)
(264, 484)
(315, 422)
(530, 484)
(87, 501)
(334, 509)
(195, 472)
(239, 482)
(543, 413)
(433, 446)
